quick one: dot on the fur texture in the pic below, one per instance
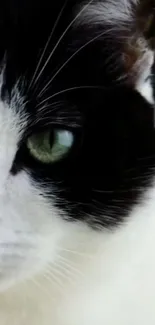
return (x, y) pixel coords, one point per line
(77, 235)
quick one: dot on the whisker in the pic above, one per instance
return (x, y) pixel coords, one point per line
(54, 268)
(38, 285)
(34, 81)
(69, 59)
(61, 273)
(50, 277)
(76, 253)
(67, 90)
(69, 265)
(53, 106)
(61, 37)
(103, 191)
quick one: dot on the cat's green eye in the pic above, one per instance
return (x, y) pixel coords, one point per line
(49, 147)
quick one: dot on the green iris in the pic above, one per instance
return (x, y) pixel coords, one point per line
(41, 148)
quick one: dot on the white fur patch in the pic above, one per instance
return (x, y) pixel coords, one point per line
(96, 278)
(111, 12)
(29, 226)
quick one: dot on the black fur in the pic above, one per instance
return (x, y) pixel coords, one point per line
(110, 163)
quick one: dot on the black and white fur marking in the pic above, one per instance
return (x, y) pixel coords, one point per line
(77, 236)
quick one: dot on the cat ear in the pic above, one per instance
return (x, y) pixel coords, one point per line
(138, 49)
(130, 25)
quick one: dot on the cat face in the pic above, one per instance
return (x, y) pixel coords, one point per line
(76, 136)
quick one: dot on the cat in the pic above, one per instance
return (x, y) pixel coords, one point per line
(77, 162)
